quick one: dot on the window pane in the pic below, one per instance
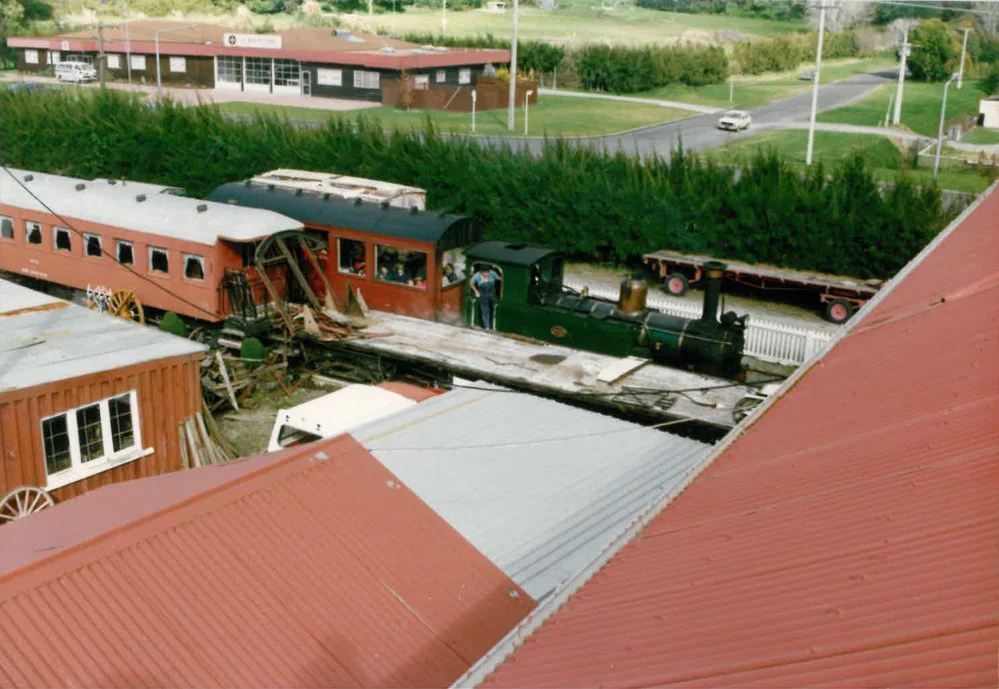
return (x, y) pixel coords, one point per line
(286, 72)
(93, 243)
(34, 230)
(114, 61)
(230, 69)
(158, 260)
(138, 62)
(258, 70)
(6, 228)
(329, 77)
(62, 241)
(31, 57)
(351, 258)
(125, 253)
(441, 76)
(453, 268)
(194, 267)
(178, 64)
(88, 427)
(120, 409)
(464, 76)
(55, 435)
(402, 267)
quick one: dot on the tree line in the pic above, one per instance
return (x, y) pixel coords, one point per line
(591, 203)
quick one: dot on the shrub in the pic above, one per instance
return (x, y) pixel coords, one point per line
(937, 54)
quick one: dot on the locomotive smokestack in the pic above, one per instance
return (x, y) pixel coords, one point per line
(713, 272)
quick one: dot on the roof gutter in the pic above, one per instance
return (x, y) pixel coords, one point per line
(516, 637)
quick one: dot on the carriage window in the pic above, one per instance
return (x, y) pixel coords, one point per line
(351, 257)
(401, 266)
(55, 435)
(125, 254)
(6, 227)
(62, 241)
(33, 232)
(92, 242)
(194, 267)
(452, 268)
(158, 260)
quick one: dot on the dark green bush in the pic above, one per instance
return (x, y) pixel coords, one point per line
(584, 201)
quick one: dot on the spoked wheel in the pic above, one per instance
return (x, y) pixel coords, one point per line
(23, 501)
(124, 304)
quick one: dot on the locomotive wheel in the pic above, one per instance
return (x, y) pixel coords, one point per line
(124, 304)
(839, 311)
(676, 284)
(23, 501)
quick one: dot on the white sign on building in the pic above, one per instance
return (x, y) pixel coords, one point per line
(251, 40)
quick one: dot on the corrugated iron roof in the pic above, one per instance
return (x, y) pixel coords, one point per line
(45, 339)
(315, 567)
(847, 538)
(539, 487)
(117, 205)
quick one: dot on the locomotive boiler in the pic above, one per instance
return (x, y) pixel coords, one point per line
(532, 301)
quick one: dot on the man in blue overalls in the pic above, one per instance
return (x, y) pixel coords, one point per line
(484, 286)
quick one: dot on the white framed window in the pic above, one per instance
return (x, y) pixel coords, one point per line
(229, 69)
(159, 260)
(366, 80)
(32, 232)
(52, 57)
(91, 438)
(124, 252)
(329, 77)
(258, 70)
(92, 245)
(114, 61)
(62, 240)
(31, 57)
(421, 82)
(138, 63)
(465, 76)
(194, 267)
(441, 76)
(178, 64)
(6, 227)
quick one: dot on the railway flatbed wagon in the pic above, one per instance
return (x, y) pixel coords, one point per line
(144, 248)
(838, 295)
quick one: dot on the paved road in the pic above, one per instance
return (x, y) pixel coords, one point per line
(630, 99)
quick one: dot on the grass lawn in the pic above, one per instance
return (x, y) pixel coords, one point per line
(981, 136)
(833, 147)
(553, 115)
(751, 91)
(920, 106)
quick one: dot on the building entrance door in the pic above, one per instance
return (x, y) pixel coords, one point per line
(306, 80)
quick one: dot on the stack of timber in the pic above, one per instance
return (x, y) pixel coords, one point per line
(201, 444)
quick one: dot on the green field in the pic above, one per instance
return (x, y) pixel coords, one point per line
(832, 148)
(920, 106)
(981, 136)
(552, 116)
(752, 91)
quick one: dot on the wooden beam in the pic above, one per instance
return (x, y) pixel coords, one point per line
(276, 299)
(298, 272)
(316, 267)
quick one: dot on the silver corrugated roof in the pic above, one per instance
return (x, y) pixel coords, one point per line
(160, 214)
(44, 339)
(537, 486)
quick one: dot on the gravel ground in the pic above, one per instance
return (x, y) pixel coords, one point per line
(788, 314)
(249, 429)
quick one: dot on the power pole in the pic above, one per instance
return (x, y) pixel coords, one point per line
(906, 47)
(100, 51)
(964, 50)
(444, 19)
(513, 71)
(815, 85)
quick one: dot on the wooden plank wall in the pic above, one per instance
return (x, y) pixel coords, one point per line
(168, 391)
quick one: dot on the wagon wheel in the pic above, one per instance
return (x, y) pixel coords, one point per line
(124, 304)
(21, 502)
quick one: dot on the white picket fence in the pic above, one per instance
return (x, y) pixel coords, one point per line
(765, 339)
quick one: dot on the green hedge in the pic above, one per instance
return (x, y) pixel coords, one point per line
(592, 204)
(787, 52)
(629, 70)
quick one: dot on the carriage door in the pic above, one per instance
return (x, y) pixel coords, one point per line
(306, 82)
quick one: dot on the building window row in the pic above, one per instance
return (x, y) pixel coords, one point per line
(62, 240)
(87, 439)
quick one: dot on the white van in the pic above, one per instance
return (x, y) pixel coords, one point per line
(76, 72)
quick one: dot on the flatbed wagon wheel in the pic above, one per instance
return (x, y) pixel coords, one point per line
(676, 284)
(839, 310)
(23, 501)
(124, 304)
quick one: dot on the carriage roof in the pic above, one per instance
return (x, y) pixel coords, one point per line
(118, 205)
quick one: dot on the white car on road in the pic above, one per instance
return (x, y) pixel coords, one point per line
(735, 120)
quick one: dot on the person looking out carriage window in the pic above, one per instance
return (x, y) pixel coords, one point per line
(383, 273)
(400, 275)
(483, 285)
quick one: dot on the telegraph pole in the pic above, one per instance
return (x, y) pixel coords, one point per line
(906, 47)
(815, 84)
(513, 71)
(964, 50)
(100, 51)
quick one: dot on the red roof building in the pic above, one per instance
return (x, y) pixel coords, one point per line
(314, 567)
(847, 537)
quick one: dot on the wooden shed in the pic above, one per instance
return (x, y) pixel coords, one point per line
(87, 399)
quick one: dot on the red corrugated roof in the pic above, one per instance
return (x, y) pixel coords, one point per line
(318, 569)
(850, 537)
